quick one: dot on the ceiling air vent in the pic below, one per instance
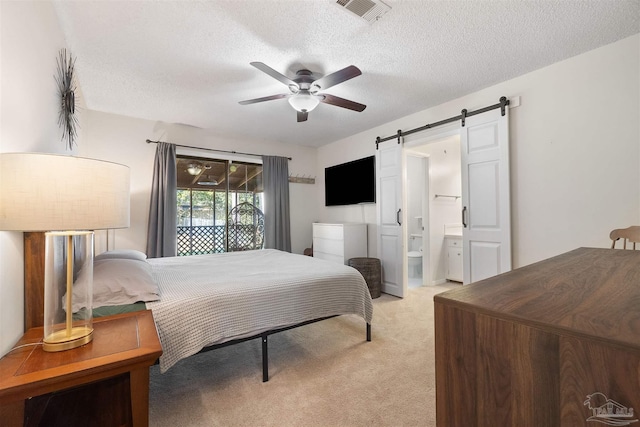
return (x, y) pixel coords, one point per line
(369, 10)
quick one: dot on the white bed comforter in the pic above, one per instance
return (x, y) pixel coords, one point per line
(210, 299)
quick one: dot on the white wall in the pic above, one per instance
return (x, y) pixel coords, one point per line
(575, 150)
(122, 140)
(30, 39)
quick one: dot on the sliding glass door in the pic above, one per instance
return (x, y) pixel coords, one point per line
(219, 206)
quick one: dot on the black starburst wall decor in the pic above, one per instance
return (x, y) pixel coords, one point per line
(67, 118)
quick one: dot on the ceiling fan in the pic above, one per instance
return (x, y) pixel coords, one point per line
(305, 88)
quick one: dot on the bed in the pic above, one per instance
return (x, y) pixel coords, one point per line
(214, 299)
(204, 302)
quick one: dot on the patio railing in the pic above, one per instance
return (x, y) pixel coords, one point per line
(210, 239)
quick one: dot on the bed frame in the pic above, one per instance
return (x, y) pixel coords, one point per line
(34, 247)
(264, 336)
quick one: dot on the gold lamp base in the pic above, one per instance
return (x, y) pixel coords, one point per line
(60, 340)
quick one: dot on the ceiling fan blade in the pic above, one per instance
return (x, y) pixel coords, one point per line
(338, 77)
(273, 73)
(341, 102)
(302, 116)
(266, 98)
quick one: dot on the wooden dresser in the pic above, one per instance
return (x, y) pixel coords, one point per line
(556, 343)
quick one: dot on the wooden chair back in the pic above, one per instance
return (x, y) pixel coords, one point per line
(629, 234)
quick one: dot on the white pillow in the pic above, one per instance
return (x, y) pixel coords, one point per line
(122, 254)
(117, 282)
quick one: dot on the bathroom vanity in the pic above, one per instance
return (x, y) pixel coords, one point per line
(453, 247)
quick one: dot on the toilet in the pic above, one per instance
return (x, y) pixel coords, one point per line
(415, 263)
(415, 256)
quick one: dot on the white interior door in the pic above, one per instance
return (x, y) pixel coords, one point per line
(388, 205)
(486, 212)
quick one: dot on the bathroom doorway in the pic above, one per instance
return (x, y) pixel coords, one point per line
(417, 224)
(433, 186)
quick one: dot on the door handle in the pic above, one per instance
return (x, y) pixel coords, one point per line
(398, 217)
(464, 210)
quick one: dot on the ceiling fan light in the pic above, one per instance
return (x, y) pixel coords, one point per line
(194, 169)
(208, 182)
(303, 101)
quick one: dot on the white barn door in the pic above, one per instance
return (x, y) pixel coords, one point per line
(388, 205)
(486, 213)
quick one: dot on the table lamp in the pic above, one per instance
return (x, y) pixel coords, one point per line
(67, 197)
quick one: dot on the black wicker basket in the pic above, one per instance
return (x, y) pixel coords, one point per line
(371, 270)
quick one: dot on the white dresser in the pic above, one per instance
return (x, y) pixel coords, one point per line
(339, 242)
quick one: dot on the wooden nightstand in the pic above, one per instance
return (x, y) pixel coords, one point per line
(103, 383)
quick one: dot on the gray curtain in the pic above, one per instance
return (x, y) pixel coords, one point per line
(277, 227)
(161, 234)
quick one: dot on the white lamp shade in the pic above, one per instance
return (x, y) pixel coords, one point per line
(303, 101)
(50, 192)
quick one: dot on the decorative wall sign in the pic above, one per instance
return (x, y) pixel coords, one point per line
(66, 91)
(608, 411)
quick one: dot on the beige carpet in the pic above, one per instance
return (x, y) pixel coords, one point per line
(324, 374)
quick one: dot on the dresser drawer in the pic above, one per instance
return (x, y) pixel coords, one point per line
(328, 257)
(329, 246)
(328, 231)
(454, 242)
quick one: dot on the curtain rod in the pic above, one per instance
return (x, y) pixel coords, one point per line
(462, 116)
(210, 149)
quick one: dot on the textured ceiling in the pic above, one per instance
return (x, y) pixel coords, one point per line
(188, 61)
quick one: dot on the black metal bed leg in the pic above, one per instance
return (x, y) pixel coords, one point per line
(368, 331)
(265, 359)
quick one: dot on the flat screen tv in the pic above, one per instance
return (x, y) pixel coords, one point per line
(350, 183)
